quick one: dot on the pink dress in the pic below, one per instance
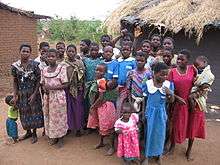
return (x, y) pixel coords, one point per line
(55, 108)
(128, 142)
(104, 117)
(180, 115)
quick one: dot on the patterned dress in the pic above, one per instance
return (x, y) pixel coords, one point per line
(128, 142)
(31, 116)
(104, 116)
(180, 115)
(55, 108)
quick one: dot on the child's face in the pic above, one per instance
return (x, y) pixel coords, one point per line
(52, 58)
(126, 51)
(199, 63)
(146, 47)
(94, 51)
(156, 41)
(25, 53)
(126, 112)
(60, 49)
(182, 60)
(71, 53)
(100, 71)
(44, 51)
(108, 53)
(105, 41)
(161, 76)
(168, 44)
(167, 57)
(83, 47)
(141, 60)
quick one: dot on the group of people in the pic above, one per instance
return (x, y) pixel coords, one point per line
(146, 100)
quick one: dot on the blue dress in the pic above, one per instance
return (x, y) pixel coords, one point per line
(156, 118)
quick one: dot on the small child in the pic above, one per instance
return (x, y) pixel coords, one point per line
(167, 58)
(125, 64)
(127, 129)
(156, 43)
(158, 91)
(11, 125)
(102, 113)
(197, 100)
(136, 79)
(112, 65)
(147, 48)
(41, 59)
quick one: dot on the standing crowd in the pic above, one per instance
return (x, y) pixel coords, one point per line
(143, 102)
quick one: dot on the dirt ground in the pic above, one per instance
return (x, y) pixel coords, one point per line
(79, 150)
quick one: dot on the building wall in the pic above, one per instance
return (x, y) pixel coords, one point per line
(209, 46)
(14, 30)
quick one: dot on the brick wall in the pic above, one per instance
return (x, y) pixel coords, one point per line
(14, 30)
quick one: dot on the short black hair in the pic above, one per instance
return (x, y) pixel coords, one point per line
(8, 99)
(185, 52)
(126, 103)
(156, 35)
(204, 58)
(94, 44)
(130, 35)
(140, 53)
(52, 50)
(169, 38)
(146, 41)
(106, 36)
(44, 44)
(104, 65)
(71, 46)
(126, 43)
(159, 66)
(87, 42)
(60, 43)
(25, 45)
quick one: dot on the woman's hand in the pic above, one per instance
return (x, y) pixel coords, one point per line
(182, 101)
(15, 99)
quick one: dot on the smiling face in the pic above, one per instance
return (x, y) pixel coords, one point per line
(167, 57)
(44, 51)
(146, 47)
(161, 76)
(94, 51)
(182, 60)
(60, 50)
(141, 60)
(83, 47)
(71, 53)
(105, 41)
(108, 53)
(168, 44)
(25, 53)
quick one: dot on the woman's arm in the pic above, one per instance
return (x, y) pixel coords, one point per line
(98, 101)
(15, 89)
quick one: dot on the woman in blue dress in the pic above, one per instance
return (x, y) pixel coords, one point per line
(158, 91)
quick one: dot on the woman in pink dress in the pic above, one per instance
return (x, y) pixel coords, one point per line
(183, 77)
(128, 142)
(54, 80)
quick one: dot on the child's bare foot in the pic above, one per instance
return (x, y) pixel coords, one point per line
(188, 156)
(34, 139)
(171, 150)
(100, 145)
(26, 136)
(60, 143)
(110, 152)
(52, 141)
(145, 162)
(43, 133)
(159, 160)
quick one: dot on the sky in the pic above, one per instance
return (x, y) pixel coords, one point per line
(83, 9)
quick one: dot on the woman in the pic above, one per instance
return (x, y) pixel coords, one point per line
(183, 77)
(26, 82)
(74, 93)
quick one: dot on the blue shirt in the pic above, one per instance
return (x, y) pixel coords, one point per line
(124, 66)
(112, 70)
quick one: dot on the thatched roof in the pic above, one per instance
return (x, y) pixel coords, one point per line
(23, 12)
(189, 15)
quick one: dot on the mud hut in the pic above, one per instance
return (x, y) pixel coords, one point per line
(194, 24)
(17, 27)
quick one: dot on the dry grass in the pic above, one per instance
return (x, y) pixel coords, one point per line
(175, 15)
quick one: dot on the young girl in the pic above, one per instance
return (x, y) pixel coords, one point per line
(125, 64)
(61, 48)
(55, 80)
(136, 79)
(102, 113)
(156, 43)
(74, 93)
(127, 129)
(168, 44)
(112, 65)
(158, 91)
(167, 58)
(147, 48)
